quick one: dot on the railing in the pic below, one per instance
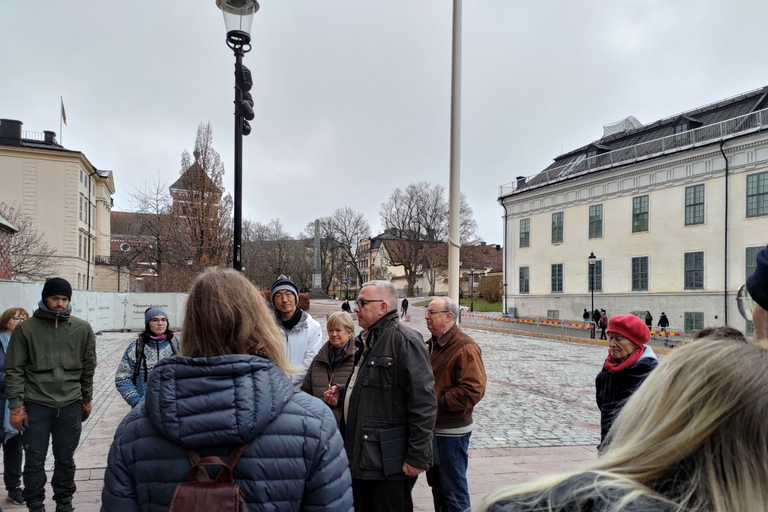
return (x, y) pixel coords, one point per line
(101, 260)
(25, 134)
(756, 121)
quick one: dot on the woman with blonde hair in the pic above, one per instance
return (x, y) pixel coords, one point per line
(333, 364)
(228, 393)
(693, 437)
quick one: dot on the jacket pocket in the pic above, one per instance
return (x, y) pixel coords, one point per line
(379, 372)
(370, 453)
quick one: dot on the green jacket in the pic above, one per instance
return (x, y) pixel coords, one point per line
(51, 360)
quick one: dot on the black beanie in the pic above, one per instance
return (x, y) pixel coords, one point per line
(757, 282)
(57, 286)
(283, 283)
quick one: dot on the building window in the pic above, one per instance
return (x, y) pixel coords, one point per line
(640, 274)
(553, 314)
(639, 214)
(81, 207)
(596, 221)
(557, 228)
(525, 232)
(694, 270)
(757, 194)
(694, 321)
(680, 131)
(557, 278)
(694, 205)
(525, 275)
(597, 269)
(80, 246)
(751, 260)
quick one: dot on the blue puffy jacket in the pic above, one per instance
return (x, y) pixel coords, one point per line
(295, 460)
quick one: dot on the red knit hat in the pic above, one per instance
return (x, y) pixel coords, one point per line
(631, 328)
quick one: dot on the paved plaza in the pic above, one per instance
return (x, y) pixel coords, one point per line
(538, 415)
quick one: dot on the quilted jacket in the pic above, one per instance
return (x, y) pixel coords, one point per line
(295, 460)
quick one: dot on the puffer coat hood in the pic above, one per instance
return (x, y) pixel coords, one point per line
(294, 460)
(222, 400)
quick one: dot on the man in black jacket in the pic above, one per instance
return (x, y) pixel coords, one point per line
(390, 395)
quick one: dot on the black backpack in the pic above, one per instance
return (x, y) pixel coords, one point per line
(201, 494)
(141, 358)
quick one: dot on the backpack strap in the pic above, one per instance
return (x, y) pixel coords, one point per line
(174, 345)
(139, 359)
(198, 472)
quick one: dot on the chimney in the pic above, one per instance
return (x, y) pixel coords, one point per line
(520, 181)
(10, 132)
(50, 137)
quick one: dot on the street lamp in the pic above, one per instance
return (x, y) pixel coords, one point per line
(238, 17)
(592, 259)
(472, 289)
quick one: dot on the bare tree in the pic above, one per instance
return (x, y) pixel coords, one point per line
(31, 256)
(347, 228)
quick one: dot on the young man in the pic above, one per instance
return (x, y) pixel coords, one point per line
(49, 374)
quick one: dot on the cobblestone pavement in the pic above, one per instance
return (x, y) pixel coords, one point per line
(538, 414)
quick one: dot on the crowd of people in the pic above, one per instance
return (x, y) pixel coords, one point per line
(350, 423)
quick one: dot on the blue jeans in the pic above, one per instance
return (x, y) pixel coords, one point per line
(448, 480)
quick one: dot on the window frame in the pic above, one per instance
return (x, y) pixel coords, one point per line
(593, 221)
(693, 275)
(641, 206)
(759, 199)
(558, 227)
(526, 280)
(749, 268)
(525, 235)
(638, 276)
(556, 279)
(598, 269)
(693, 321)
(693, 207)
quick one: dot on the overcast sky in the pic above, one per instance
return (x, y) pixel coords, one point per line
(352, 97)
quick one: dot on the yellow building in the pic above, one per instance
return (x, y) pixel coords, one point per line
(674, 212)
(67, 199)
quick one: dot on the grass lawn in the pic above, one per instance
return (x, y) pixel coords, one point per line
(480, 305)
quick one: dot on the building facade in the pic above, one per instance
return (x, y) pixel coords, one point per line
(6, 239)
(66, 198)
(673, 211)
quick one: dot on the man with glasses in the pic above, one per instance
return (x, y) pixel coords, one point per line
(459, 385)
(753, 297)
(49, 385)
(388, 407)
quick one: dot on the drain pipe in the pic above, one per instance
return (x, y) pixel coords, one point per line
(725, 237)
(504, 253)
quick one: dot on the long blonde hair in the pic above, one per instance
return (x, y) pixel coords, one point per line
(226, 314)
(694, 435)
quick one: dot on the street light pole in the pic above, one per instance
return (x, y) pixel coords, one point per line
(238, 17)
(591, 259)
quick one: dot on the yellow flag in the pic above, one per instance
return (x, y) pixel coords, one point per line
(63, 112)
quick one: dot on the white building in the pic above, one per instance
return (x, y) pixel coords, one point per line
(674, 225)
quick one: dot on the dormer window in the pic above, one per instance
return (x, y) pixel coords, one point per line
(680, 129)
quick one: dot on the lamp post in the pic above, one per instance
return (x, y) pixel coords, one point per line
(471, 289)
(238, 17)
(592, 259)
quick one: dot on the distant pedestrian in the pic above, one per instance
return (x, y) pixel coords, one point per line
(404, 305)
(13, 449)
(49, 370)
(460, 380)
(229, 390)
(156, 342)
(345, 306)
(596, 320)
(663, 324)
(603, 324)
(630, 360)
(648, 320)
(585, 316)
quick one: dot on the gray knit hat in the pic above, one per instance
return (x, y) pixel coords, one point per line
(152, 312)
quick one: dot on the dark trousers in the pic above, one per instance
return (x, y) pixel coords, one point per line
(383, 495)
(63, 427)
(602, 332)
(448, 480)
(13, 455)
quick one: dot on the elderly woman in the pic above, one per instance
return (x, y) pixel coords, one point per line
(156, 342)
(693, 437)
(335, 361)
(228, 393)
(628, 364)
(13, 448)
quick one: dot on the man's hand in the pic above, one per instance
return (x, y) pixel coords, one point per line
(410, 470)
(331, 397)
(86, 411)
(19, 419)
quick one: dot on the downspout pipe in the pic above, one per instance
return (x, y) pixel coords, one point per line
(504, 256)
(725, 237)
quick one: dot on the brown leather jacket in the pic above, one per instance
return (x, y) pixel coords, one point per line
(459, 377)
(321, 375)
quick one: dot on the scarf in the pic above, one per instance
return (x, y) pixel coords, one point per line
(335, 355)
(158, 339)
(291, 322)
(614, 366)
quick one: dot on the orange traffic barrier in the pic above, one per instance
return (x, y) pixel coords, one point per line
(525, 320)
(579, 325)
(551, 322)
(667, 333)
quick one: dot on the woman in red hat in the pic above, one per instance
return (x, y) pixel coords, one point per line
(629, 362)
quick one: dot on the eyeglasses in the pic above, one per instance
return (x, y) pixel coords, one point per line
(362, 302)
(158, 320)
(433, 313)
(18, 318)
(745, 302)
